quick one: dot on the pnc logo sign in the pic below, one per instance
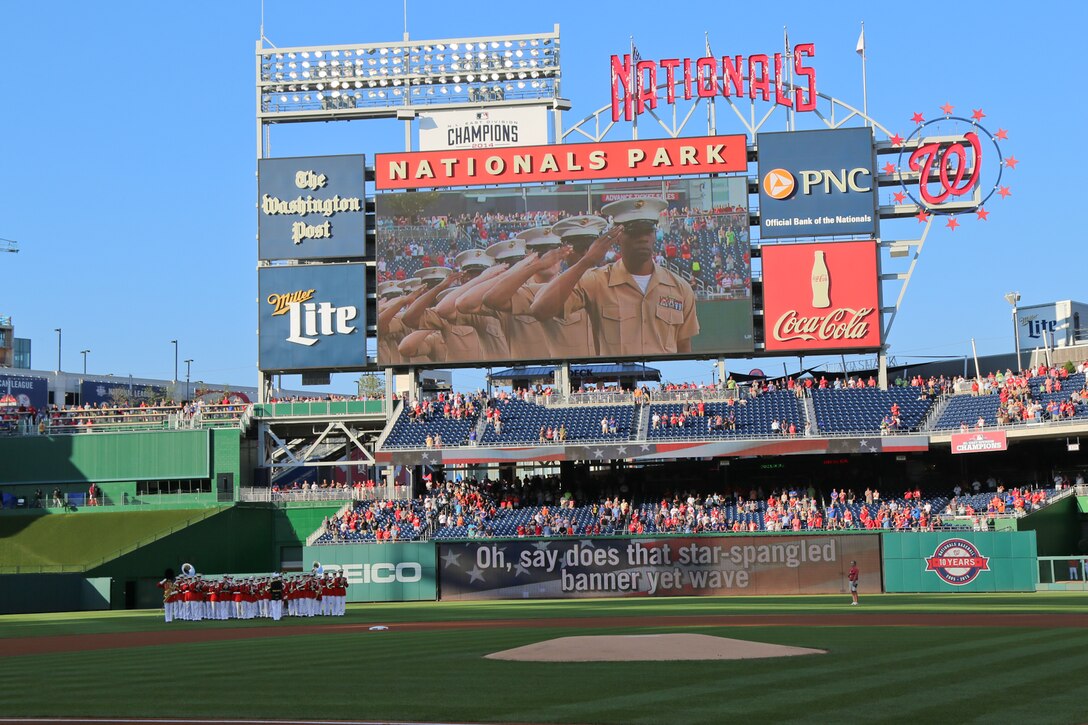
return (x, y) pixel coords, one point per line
(779, 184)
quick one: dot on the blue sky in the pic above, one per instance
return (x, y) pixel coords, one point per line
(128, 146)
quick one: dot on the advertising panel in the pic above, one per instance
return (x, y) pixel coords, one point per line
(817, 183)
(96, 392)
(483, 128)
(980, 442)
(961, 561)
(1055, 324)
(566, 162)
(578, 272)
(402, 572)
(311, 207)
(26, 392)
(312, 317)
(823, 296)
(681, 566)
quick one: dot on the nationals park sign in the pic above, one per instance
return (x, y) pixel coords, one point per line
(565, 162)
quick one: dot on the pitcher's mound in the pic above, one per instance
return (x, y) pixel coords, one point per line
(648, 647)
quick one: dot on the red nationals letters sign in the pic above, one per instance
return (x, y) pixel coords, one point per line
(823, 296)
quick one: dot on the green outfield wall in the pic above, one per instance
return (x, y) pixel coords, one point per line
(967, 561)
(382, 572)
(28, 593)
(106, 457)
(1057, 527)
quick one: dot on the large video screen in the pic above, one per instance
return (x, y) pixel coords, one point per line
(619, 270)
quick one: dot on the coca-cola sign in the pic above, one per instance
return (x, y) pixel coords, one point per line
(821, 296)
(841, 324)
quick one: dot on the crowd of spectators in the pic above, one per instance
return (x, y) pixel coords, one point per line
(544, 507)
(325, 490)
(28, 420)
(386, 521)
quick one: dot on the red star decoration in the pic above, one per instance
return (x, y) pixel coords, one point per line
(947, 108)
(896, 140)
(1011, 162)
(888, 168)
(952, 223)
(922, 216)
(917, 118)
(1001, 135)
(982, 213)
(1004, 192)
(978, 115)
(899, 197)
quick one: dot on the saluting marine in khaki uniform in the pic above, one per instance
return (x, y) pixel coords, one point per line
(636, 308)
(570, 334)
(472, 337)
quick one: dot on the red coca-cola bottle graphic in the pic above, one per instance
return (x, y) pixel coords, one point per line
(821, 282)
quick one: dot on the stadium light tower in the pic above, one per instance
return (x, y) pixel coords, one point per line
(57, 330)
(398, 79)
(1013, 298)
(188, 367)
(175, 344)
(84, 354)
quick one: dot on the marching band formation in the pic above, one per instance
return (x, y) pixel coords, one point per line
(192, 597)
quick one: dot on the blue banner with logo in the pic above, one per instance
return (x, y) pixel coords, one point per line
(123, 393)
(817, 183)
(311, 207)
(27, 392)
(312, 317)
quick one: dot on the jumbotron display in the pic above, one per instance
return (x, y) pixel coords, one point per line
(645, 269)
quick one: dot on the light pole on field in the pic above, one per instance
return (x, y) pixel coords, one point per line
(1013, 298)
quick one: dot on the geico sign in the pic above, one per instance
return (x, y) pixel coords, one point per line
(781, 184)
(406, 572)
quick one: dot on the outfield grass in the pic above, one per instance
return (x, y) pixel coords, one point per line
(870, 673)
(74, 540)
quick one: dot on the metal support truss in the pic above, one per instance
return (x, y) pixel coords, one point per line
(328, 446)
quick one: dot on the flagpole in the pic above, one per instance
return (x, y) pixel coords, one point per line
(790, 119)
(633, 84)
(864, 85)
(711, 115)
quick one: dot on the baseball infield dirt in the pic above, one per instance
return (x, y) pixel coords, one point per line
(648, 648)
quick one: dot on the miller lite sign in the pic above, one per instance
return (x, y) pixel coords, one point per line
(312, 317)
(822, 296)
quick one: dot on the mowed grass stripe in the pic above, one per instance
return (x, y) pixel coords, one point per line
(1022, 687)
(923, 672)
